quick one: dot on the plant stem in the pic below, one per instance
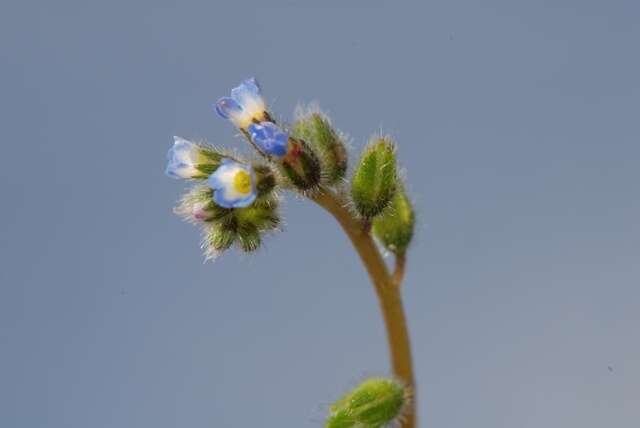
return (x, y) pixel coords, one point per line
(398, 273)
(387, 290)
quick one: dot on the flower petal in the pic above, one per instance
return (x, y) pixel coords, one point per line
(222, 181)
(227, 107)
(182, 158)
(269, 138)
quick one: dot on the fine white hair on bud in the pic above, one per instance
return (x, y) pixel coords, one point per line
(372, 404)
(374, 179)
(314, 127)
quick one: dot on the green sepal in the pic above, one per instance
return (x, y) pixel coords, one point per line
(317, 131)
(249, 237)
(265, 179)
(212, 153)
(340, 419)
(206, 169)
(209, 159)
(394, 228)
(375, 178)
(372, 404)
(219, 238)
(262, 214)
(301, 165)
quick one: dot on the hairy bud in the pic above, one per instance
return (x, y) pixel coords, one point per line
(394, 228)
(301, 165)
(372, 404)
(316, 130)
(374, 179)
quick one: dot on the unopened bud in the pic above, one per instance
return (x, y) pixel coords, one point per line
(372, 404)
(301, 165)
(394, 228)
(374, 179)
(315, 129)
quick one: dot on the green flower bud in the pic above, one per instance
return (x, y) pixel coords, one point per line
(394, 228)
(374, 179)
(316, 130)
(301, 165)
(372, 404)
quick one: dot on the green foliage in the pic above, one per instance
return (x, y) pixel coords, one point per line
(372, 404)
(316, 130)
(375, 177)
(394, 228)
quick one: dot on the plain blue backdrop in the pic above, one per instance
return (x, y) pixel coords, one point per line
(517, 123)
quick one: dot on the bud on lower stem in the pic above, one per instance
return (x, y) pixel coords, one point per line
(394, 228)
(372, 404)
(374, 179)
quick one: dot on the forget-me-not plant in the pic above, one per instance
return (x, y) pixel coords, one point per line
(236, 201)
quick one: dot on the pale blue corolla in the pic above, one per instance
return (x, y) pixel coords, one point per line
(233, 184)
(183, 158)
(245, 105)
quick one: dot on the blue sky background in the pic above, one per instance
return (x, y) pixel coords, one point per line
(517, 124)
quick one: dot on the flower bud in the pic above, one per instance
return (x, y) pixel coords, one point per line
(301, 165)
(296, 159)
(245, 105)
(374, 179)
(190, 160)
(372, 404)
(202, 211)
(394, 228)
(197, 206)
(315, 129)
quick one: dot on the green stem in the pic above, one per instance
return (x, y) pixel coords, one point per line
(387, 289)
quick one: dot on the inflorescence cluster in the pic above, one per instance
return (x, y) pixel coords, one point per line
(236, 202)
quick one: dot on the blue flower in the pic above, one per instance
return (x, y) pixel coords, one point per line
(245, 105)
(233, 184)
(269, 138)
(183, 158)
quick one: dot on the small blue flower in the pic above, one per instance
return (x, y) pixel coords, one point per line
(269, 138)
(183, 158)
(233, 184)
(245, 105)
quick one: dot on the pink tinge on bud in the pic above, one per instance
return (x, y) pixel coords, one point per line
(200, 212)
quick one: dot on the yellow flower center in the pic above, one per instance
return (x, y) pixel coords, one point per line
(242, 182)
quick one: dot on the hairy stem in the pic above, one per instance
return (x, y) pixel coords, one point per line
(387, 289)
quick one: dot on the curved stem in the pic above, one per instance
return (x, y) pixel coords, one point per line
(387, 290)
